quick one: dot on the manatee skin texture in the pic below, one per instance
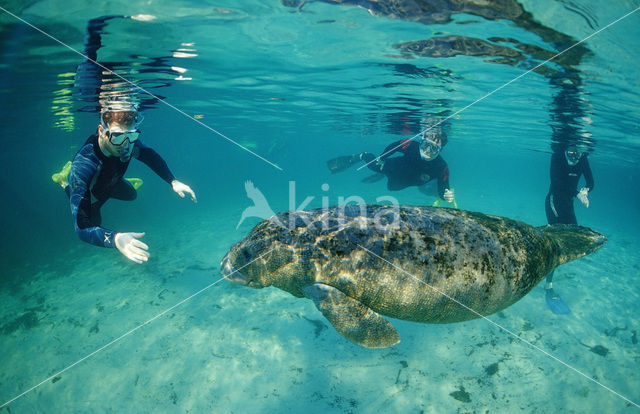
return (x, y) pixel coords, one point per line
(422, 264)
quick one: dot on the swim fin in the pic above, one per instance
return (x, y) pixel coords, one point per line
(135, 182)
(62, 176)
(555, 303)
(439, 201)
(342, 163)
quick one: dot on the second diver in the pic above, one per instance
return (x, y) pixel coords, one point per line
(406, 163)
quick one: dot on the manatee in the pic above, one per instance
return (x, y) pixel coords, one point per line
(421, 264)
(500, 50)
(442, 11)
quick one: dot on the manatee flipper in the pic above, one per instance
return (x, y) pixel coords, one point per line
(352, 319)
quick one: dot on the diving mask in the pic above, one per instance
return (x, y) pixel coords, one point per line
(118, 138)
(117, 135)
(429, 149)
(572, 156)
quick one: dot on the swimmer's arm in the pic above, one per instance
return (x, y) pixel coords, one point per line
(443, 180)
(82, 171)
(398, 146)
(154, 161)
(588, 175)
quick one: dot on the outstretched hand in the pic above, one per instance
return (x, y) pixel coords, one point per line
(143, 17)
(181, 188)
(582, 196)
(132, 248)
(448, 195)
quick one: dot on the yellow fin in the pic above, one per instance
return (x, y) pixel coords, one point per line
(438, 201)
(62, 176)
(135, 182)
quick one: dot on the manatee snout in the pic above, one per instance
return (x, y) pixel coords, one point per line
(230, 273)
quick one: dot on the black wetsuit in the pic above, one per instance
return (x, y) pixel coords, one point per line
(95, 177)
(564, 187)
(410, 169)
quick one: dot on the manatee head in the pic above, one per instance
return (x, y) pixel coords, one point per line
(242, 258)
(261, 259)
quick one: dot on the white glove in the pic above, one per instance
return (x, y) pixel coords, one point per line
(143, 17)
(131, 247)
(448, 195)
(181, 188)
(582, 196)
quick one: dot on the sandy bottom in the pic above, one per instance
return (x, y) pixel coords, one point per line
(233, 349)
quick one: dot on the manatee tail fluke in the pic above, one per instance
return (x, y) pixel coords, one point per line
(342, 163)
(574, 241)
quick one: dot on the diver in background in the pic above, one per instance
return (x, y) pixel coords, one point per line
(567, 167)
(569, 163)
(419, 163)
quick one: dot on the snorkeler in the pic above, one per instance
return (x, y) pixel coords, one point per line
(419, 163)
(96, 175)
(567, 167)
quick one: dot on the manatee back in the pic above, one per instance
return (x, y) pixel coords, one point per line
(411, 268)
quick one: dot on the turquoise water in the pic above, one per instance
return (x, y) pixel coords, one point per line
(299, 85)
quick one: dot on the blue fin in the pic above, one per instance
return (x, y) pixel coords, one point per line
(556, 304)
